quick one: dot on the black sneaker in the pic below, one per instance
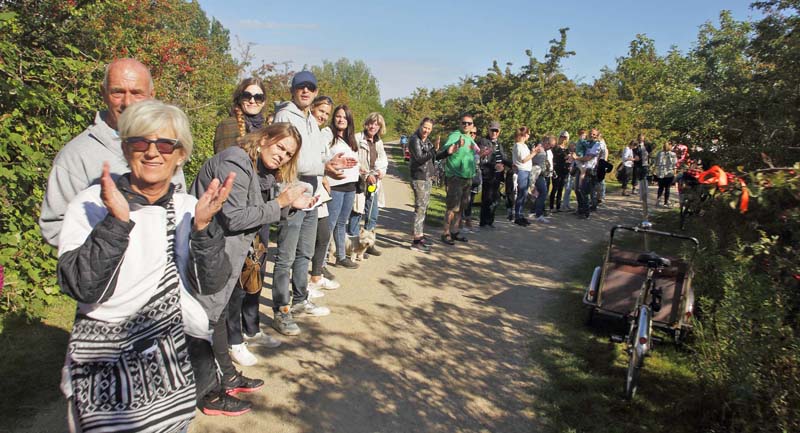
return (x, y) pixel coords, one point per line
(458, 237)
(522, 222)
(240, 383)
(346, 263)
(420, 245)
(283, 322)
(220, 403)
(446, 239)
(328, 274)
(373, 251)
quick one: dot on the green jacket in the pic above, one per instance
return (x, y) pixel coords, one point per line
(462, 162)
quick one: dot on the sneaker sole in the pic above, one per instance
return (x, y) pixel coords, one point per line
(235, 391)
(215, 412)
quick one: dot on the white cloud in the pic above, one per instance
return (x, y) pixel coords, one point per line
(269, 25)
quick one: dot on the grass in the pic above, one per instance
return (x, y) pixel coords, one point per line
(584, 372)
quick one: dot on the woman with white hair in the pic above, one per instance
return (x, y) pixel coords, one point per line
(134, 253)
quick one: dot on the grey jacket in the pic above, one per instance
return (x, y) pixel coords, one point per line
(311, 161)
(241, 217)
(78, 165)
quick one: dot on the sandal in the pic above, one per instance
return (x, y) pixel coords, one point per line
(446, 239)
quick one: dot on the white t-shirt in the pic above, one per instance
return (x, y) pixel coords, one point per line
(627, 157)
(521, 152)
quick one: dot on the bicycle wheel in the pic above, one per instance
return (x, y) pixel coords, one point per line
(632, 375)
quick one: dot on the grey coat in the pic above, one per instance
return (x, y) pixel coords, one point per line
(241, 217)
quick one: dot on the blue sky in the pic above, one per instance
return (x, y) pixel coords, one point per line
(414, 43)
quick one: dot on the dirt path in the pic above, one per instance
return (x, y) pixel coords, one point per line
(424, 343)
(420, 343)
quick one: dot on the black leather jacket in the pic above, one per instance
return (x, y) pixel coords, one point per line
(488, 161)
(422, 156)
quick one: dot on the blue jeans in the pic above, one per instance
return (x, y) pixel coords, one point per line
(541, 188)
(339, 209)
(523, 181)
(296, 237)
(370, 213)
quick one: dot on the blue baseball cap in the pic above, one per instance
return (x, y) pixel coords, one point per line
(303, 77)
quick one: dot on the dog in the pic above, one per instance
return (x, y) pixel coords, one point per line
(354, 248)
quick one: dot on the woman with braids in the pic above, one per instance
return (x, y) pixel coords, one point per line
(247, 114)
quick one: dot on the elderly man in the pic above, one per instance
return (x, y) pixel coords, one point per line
(79, 164)
(493, 164)
(459, 169)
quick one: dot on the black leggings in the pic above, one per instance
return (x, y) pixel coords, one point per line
(663, 187)
(557, 190)
(320, 247)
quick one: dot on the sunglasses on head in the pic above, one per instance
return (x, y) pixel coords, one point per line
(257, 97)
(310, 86)
(164, 146)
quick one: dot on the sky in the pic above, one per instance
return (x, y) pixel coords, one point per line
(416, 43)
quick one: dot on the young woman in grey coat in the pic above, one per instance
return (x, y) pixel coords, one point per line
(261, 159)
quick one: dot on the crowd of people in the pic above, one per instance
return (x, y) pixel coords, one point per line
(162, 271)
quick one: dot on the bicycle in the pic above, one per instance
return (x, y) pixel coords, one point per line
(631, 284)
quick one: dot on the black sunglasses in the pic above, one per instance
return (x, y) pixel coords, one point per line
(165, 146)
(310, 86)
(258, 97)
(466, 123)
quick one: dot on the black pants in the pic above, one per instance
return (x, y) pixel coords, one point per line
(557, 190)
(320, 247)
(242, 315)
(219, 343)
(490, 198)
(584, 192)
(663, 187)
(510, 196)
(201, 356)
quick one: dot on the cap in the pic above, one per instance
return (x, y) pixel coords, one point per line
(303, 77)
(494, 125)
(564, 134)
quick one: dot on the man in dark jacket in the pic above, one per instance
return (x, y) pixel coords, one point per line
(493, 164)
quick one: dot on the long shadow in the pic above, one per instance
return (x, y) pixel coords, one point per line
(30, 370)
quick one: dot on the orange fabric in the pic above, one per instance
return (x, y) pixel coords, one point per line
(717, 176)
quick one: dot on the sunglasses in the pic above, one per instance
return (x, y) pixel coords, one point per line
(258, 97)
(309, 86)
(466, 123)
(165, 146)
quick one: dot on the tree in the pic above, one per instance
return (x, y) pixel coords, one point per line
(350, 83)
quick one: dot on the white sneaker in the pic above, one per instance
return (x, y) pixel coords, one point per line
(315, 293)
(242, 356)
(324, 283)
(543, 220)
(262, 339)
(310, 308)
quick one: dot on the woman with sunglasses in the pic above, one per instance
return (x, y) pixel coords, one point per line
(135, 253)
(262, 159)
(321, 278)
(246, 114)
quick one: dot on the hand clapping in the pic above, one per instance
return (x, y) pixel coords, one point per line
(211, 201)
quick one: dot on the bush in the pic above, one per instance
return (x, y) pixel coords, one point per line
(747, 350)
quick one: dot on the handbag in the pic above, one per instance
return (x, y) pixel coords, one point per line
(251, 279)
